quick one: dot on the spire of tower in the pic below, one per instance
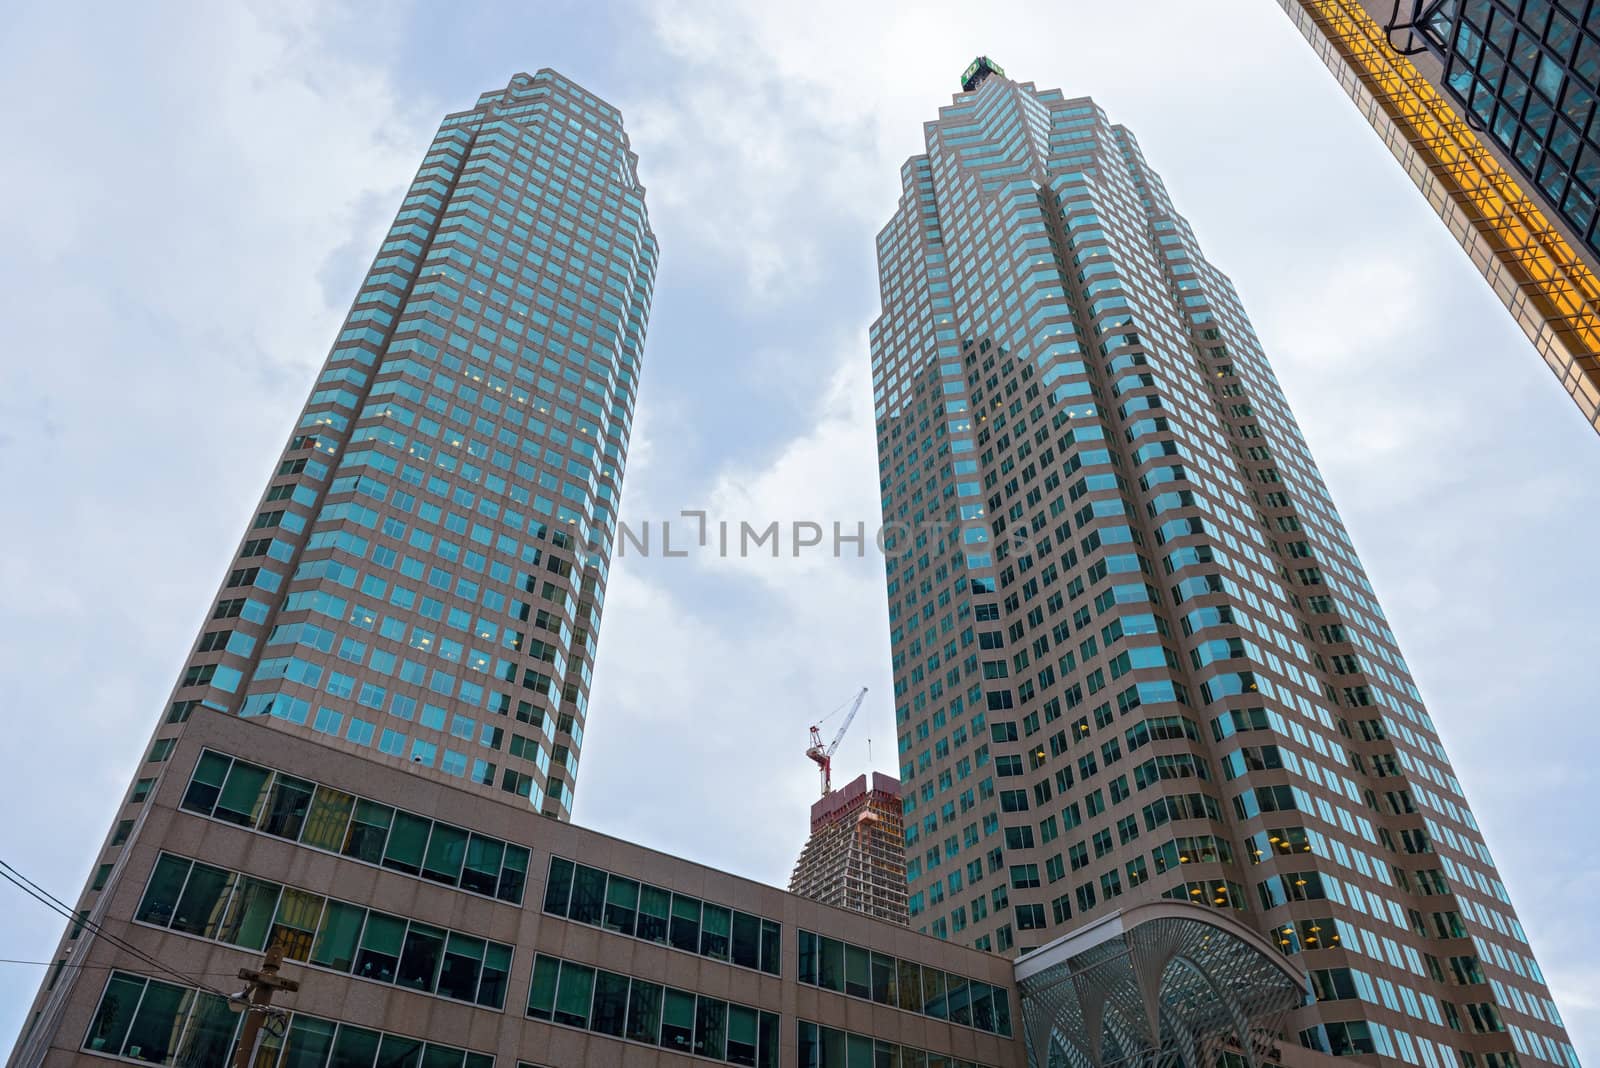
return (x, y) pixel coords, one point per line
(977, 71)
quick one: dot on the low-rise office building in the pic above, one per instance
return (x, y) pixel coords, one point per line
(428, 924)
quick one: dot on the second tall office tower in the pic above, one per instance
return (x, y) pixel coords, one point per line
(1135, 654)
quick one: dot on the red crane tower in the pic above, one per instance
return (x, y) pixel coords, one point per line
(823, 758)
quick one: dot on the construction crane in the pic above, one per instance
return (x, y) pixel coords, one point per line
(824, 757)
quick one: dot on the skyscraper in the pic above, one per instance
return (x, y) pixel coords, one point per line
(1489, 105)
(1135, 654)
(425, 573)
(422, 581)
(855, 857)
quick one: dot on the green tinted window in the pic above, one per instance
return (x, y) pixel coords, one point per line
(743, 1035)
(685, 931)
(496, 972)
(574, 993)
(655, 909)
(161, 894)
(588, 895)
(830, 964)
(209, 1036)
(771, 946)
(715, 928)
(610, 1004)
(558, 889)
(809, 948)
(154, 1033)
(420, 957)
(858, 1051)
(481, 872)
(711, 1028)
(354, 1047)
(250, 913)
(337, 936)
(287, 804)
(767, 1055)
(746, 947)
(982, 1005)
(408, 840)
(677, 1020)
(369, 831)
(933, 1002)
(956, 996)
(857, 971)
(309, 1042)
(400, 1052)
(206, 783)
(463, 964)
(114, 1016)
(542, 990)
(644, 1012)
(447, 849)
(242, 794)
(204, 898)
(513, 875)
(622, 904)
(380, 947)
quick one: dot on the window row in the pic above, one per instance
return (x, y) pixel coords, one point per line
(606, 1003)
(197, 899)
(903, 984)
(639, 910)
(162, 1023)
(315, 815)
(827, 1047)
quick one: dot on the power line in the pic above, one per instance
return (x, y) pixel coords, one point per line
(61, 908)
(87, 967)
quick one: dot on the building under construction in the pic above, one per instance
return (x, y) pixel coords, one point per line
(856, 855)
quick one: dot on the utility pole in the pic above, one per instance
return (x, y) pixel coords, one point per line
(263, 984)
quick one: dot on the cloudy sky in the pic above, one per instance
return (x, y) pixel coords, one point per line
(193, 191)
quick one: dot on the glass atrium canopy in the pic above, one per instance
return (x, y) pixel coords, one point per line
(1156, 985)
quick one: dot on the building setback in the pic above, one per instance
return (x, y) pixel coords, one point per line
(421, 584)
(855, 857)
(1489, 105)
(1135, 654)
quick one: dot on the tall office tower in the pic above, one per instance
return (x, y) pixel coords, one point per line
(1490, 107)
(422, 581)
(856, 855)
(424, 576)
(1135, 654)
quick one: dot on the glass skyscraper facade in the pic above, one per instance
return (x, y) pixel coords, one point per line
(422, 580)
(1135, 654)
(1529, 71)
(1489, 105)
(424, 575)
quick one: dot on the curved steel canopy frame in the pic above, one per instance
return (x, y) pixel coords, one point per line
(1156, 985)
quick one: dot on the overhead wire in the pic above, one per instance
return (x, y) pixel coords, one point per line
(84, 967)
(61, 908)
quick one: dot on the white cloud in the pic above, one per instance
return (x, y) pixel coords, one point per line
(718, 665)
